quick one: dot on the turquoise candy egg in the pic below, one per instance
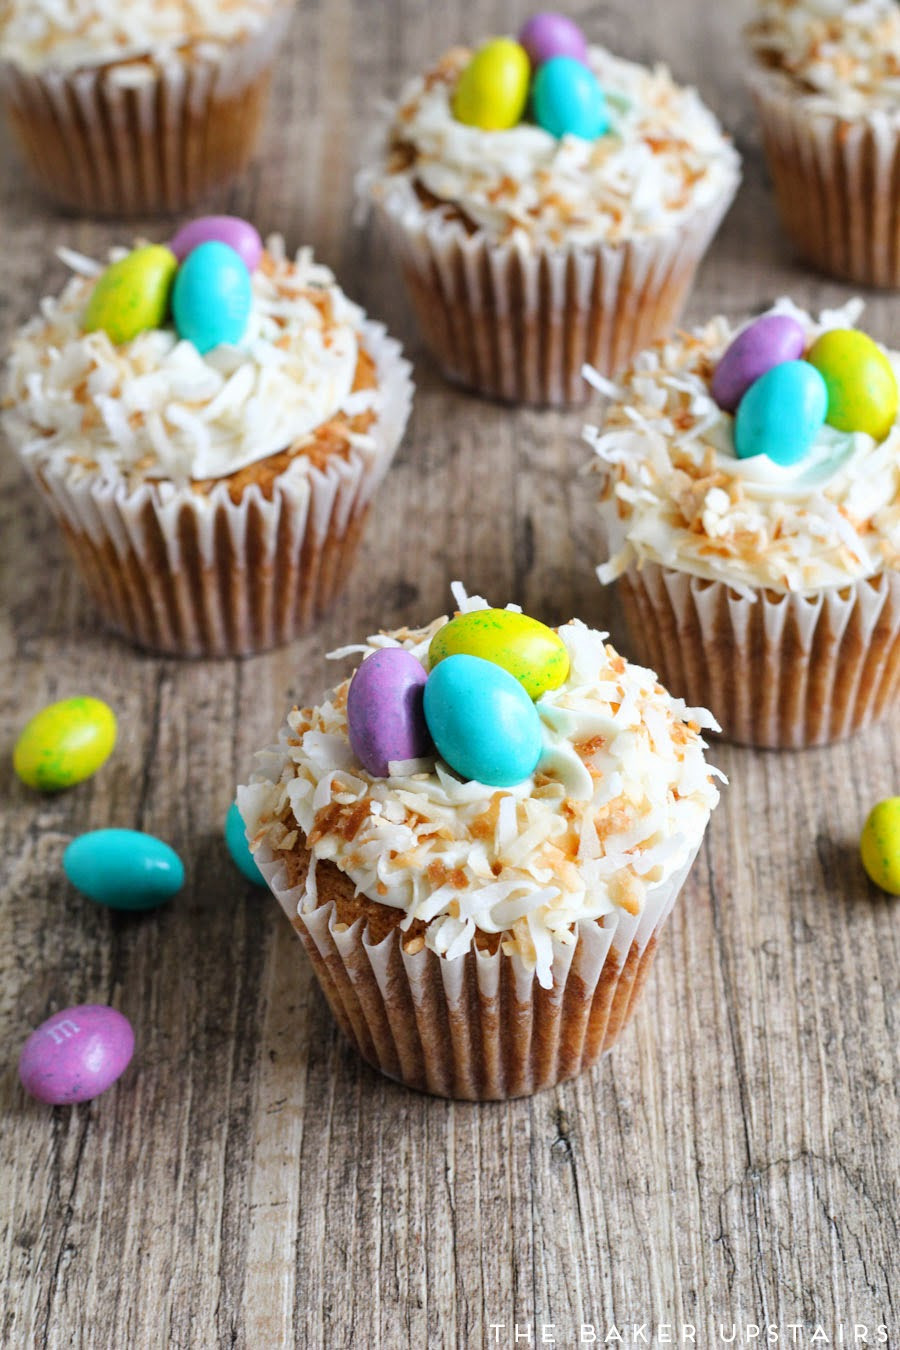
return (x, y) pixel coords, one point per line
(236, 842)
(781, 413)
(482, 721)
(567, 100)
(123, 869)
(212, 296)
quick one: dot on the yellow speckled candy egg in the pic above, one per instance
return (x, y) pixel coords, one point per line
(862, 387)
(527, 648)
(879, 845)
(493, 89)
(65, 743)
(133, 294)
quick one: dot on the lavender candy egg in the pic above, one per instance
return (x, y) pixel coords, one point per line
(76, 1054)
(550, 34)
(770, 341)
(231, 230)
(385, 714)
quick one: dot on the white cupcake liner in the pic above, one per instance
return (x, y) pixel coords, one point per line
(778, 671)
(835, 180)
(134, 138)
(519, 324)
(196, 574)
(479, 1026)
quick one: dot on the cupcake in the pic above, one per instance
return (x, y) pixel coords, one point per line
(751, 503)
(208, 423)
(140, 107)
(826, 81)
(478, 839)
(533, 244)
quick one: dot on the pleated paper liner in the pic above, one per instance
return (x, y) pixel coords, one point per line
(138, 138)
(195, 574)
(479, 1026)
(779, 671)
(517, 324)
(836, 182)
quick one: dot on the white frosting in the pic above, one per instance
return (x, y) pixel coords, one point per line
(154, 407)
(676, 494)
(663, 157)
(68, 34)
(618, 803)
(845, 57)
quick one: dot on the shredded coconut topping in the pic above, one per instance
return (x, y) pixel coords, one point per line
(663, 157)
(68, 34)
(155, 408)
(618, 803)
(675, 493)
(844, 56)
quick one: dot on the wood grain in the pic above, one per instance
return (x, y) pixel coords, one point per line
(250, 1183)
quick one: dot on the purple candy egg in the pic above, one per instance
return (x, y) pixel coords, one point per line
(769, 342)
(550, 34)
(231, 230)
(385, 714)
(76, 1054)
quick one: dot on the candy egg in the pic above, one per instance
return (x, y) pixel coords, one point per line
(862, 387)
(567, 100)
(550, 34)
(236, 841)
(493, 89)
(770, 341)
(231, 230)
(133, 294)
(528, 649)
(123, 869)
(781, 413)
(385, 717)
(64, 743)
(482, 721)
(76, 1054)
(879, 845)
(212, 296)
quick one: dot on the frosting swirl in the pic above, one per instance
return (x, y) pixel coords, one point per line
(618, 803)
(675, 493)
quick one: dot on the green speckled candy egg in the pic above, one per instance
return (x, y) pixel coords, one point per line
(862, 387)
(65, 743)
(528, 649)
(132, 295)
(879, 845)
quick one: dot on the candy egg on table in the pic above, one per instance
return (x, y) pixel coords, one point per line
(566, 99)
(123, 869)
(493, 89)
(65, 743)
(879, 845)
(133, 294)
(212, 296)
(550, 34)
(482, 721)
(862, 387)
(527, 648)
(231, 230)
(385, 713)
(770, 341)
(236, 841)
(76, 1054)
(781, 413)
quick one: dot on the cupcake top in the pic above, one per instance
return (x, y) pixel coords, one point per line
(845, 56)
(606, 151)
(613, 800)
(766, 455)
(193, 367)
(68, 34)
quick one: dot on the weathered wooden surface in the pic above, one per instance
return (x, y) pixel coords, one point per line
(250, 1183)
